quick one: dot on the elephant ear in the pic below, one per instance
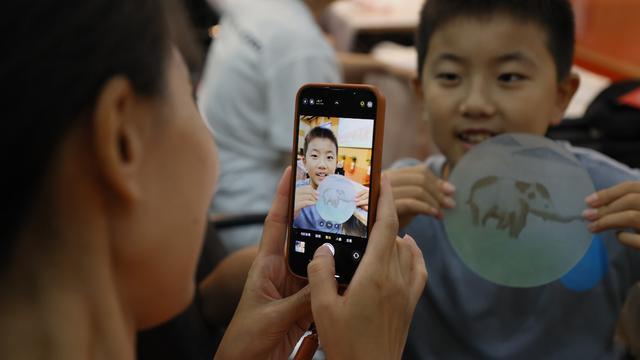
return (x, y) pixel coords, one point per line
(522, 186)
(542, 190)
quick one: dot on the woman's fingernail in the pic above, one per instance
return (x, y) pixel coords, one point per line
(590, 214)
(591, 199)
(331, 248)
(448, 187)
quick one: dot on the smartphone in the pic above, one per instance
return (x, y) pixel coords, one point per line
(337, 149)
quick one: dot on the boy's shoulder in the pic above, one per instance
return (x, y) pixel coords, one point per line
(433, 162)
(604, 171)
(303, 182)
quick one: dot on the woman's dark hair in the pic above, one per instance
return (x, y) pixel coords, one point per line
(555, 17)
(322, 133)
(56, 58)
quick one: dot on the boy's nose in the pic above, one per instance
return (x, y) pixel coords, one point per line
(477, 103)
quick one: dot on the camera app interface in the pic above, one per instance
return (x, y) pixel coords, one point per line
(332, 176)
(332, 180)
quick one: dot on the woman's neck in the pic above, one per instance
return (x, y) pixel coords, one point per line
(62, 307)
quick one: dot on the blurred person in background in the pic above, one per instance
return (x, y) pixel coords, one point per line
(265, 51)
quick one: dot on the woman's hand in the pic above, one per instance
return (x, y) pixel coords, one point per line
(274, 310)
(371, 320)
(305, 196)
(417, 191)
(617, 207)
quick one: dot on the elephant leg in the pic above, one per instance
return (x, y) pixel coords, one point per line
(507, 221)
(491, 213)
(504, 221)
(520, 220)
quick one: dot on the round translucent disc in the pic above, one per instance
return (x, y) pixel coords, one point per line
(517, 220)
(336, 199)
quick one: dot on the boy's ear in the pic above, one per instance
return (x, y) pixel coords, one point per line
(118, 138)
(566, 89)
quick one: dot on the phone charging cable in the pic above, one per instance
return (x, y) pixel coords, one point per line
(309, 345)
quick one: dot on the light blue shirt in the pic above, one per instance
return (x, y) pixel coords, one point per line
(463, 316)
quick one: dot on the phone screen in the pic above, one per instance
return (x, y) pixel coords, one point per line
(332, 195)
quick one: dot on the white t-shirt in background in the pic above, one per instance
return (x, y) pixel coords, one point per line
(265, 51)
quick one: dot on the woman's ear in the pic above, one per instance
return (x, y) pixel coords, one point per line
(118, 137)
(416, 86)
(566, 89)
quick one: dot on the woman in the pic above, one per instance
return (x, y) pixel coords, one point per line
(109, 169)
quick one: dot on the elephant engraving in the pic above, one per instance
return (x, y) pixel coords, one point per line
(333, 197)
(509, 202)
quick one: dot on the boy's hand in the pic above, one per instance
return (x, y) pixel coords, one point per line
(616, 207)
(362, 199)
(417, 190)
(305, 196)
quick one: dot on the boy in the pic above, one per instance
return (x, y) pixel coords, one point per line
(320, 160)
(488, 67)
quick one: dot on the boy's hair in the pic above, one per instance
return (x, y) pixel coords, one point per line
(322, 133)
(555, 17)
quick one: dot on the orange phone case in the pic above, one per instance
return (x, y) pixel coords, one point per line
(376, 157)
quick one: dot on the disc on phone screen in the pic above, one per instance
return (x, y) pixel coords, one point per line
(336, 199)
(518, 219)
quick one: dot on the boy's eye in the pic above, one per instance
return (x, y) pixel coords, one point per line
(510, 77)
(448, 78)
(330, 157)
(314, 156)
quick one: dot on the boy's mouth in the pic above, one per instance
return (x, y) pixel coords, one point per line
(321, 175)
(472, 137)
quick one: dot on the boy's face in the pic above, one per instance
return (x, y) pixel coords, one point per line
(485, 77)
(320, 159)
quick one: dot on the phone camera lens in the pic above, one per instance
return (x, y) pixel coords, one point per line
(305, 101)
